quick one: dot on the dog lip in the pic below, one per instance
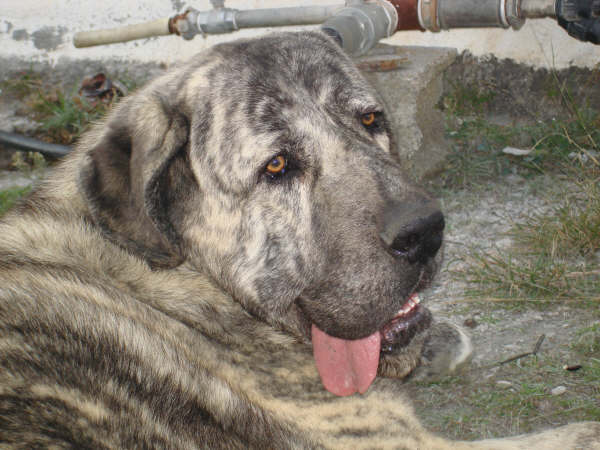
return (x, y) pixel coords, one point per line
(410, 319)
(406, 318)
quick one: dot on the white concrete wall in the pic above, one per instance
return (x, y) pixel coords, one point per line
(42, 30)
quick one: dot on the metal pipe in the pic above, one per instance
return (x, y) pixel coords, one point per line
(20, 142)
(408, 14)
(538, 9)
(359, 26)
(471, 14)
(225, 20)
(436, 15)
(275, 17)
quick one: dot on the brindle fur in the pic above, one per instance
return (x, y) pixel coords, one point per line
(157, 288)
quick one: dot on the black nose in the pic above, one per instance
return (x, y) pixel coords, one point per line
(414, 231)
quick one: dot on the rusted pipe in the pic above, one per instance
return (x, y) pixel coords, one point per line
(408, 15)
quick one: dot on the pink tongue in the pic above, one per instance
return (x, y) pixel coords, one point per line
(346, 366)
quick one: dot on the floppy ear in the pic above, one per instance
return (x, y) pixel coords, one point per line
(135, 175)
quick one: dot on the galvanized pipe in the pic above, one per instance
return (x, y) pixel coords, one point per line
(357, 24)
(436, 15)
(281, 17)
(472, 14)
(225, 20)
(538, 9)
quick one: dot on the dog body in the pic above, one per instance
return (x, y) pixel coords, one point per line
(187, 276)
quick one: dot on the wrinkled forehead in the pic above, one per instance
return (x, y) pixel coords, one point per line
(292, 69)
(287, 91)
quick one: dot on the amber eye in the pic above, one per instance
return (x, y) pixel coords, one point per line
(368, 119)
(276, 166)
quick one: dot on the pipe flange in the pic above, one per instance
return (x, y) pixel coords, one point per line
(391, 14)
(428, 15)
(512, 14)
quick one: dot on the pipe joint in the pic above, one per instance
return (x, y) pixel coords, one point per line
(360, 25)
(215, 21)
(515, 18)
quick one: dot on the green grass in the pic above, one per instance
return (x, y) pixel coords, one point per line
(587, 343)
(22, 85)
(10, 196)
(63, 115)
(555, 256)
(552, 263)
(529, 280)
(477, 142)
(462, 408)
(573, 230)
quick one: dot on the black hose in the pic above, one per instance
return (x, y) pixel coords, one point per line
(20, 142)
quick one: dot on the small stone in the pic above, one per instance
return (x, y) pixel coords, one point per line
(584, 156)
(516, 151)
(470, 322)
(558, 390)
(504, 384)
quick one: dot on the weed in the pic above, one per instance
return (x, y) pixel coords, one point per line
(10, 196)
(588, 343)
(572, 230)
(555, 255)
(469, 410)
(477, 143)
(23, 85)
(533, 278)
(65, 117)
(466, 100)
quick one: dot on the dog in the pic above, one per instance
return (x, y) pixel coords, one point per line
(231, 259)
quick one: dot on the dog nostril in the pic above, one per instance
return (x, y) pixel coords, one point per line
(404, 244)
(420, 239)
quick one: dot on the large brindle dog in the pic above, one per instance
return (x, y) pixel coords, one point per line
(230, 260)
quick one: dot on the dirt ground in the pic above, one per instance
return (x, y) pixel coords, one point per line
(490, 399)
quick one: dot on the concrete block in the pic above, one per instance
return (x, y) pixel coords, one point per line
(409, 80)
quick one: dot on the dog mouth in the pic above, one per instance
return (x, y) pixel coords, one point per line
(350, 366)
(399, 331)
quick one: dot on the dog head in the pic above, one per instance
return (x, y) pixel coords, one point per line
(266, 164)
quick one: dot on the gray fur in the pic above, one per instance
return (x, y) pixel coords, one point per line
(157, 290)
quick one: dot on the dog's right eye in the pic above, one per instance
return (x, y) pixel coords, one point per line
(276, 167)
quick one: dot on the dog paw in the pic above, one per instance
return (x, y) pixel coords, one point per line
(447, 349)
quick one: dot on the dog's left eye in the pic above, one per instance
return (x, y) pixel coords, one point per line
(368, 119)
(371, 120)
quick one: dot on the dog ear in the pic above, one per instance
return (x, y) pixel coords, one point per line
(128, 177)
